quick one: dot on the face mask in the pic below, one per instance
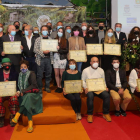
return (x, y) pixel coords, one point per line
(13, 33)
(76, 33)
(69, 30)
(17, 27)
(1, 29)
(90, 32)
(23, 70)
(136, 32)
(101, 27)
(84, 28)
(118, 29)
(26, 33)
(49, 27)
(44, 33)
(36, 32)
(60, 34)
(116, 65)
(58, 27)
(110, 34)
(72, 67)
(95, 65)
(7, 67)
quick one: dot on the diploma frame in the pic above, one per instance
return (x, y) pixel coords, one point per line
(70, 86)
(7, 88)
(92, 84)
(91, 49)
(108, 51)
(12, 47)
(73, 54)
(138, 84)
(49, 44)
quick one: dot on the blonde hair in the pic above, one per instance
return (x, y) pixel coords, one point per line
(113, 39)
(35, 28)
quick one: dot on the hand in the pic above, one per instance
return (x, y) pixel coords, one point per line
(121, 91)
(137, 89)
(123, 38)
(46, 52)
(21, 94)
(2, 54)
(58, 47)
(64, 91)
(21, 47)
(6, 80)
(107, 89)
(17, 94)
(86, 91)
(81, 91)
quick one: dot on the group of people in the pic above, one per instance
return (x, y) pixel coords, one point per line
(28, 68)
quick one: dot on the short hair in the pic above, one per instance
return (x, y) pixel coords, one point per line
(24, 62)
(36, 28)
(115, 58)
(118, 23)
(43, 26)
(31, 27)
(101, 22)
(67, 26)
(15, 22)
(72, 60)
(76, 28)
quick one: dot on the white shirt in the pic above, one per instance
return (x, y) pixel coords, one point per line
(118, 82)
(90, 73)
(118, 34)
(29, 41)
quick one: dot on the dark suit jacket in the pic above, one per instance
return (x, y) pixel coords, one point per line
(122, 35)
(15, 58)
(26, 51)
(110, 77)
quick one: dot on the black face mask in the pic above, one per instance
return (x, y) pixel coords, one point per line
(136, 32)
(7, 67)
(49, 27)
(90, 32)
(17, 27)
(101, 27)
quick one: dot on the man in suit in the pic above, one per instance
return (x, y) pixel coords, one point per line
(11, 37)
(17, 26)
(101, 32)
(67, 32)
(117, 84)
(28, 42)
(49, 24)
(120, 36)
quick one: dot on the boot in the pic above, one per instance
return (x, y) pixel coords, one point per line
(15, 119)
(30, 128)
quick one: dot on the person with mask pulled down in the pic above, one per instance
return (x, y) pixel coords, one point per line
(8, 74)
(72, 74)
(95, 72)
(117, 83)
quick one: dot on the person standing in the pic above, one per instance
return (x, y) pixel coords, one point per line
(17, 26)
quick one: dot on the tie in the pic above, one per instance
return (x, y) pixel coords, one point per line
(12, 38)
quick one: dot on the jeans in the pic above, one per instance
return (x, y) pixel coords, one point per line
(47, 67)
(106, 102)
(79, 66)
(75, 101)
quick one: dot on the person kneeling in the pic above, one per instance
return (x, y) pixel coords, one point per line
(29, 99)
(72, 74)
(94, 72)
(117, 83)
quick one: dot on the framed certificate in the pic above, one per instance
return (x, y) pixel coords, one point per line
(78, 55)
(94, 49)
(96, 84)
(49, 44)
(112, 49)
(12, 47)
(7, 88)
(138, 84)
(73, 86)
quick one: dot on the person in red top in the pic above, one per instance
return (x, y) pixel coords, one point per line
(7, 74)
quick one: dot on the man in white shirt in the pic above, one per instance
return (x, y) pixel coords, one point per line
(94, 72)
(117, 83)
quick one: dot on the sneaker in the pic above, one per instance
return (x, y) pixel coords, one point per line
(123, 113)
(48, 90)
(57, 90)
(117, 113)
(60, 90)
(1, 121)
(76, 116)
(107, 117)
(90, 118)
(79, 116)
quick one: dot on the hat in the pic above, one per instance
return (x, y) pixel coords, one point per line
(6, 60)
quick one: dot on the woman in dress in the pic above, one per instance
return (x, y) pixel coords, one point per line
(29, 99)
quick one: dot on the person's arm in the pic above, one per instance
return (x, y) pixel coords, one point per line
(124, 85)
(84, 77)
(83, 43)
(131, 79)
(1, 45)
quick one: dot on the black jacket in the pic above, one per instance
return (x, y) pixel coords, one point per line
(26, 51)
(110, 77)
(15, 58)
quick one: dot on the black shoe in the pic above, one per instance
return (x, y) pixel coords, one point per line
(1, 121)
(117, 113)
(57, 90)
(60, 90)
(123, 113)
(12, 124)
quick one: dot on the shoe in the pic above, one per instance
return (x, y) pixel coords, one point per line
(123, 113)
(12, 124)
(57, 90)
(107, 117)
(76, 116)
(30, 128)
(79, 116)
(48, 90)
(1, 121)
(15, 119)
(117, 113)
(60, 90)
(90, 118)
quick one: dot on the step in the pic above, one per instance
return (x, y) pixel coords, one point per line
(53, 115)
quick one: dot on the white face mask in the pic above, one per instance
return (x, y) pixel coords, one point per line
(84, 28)
(1, 29)
(95, 65)
(116, 65)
